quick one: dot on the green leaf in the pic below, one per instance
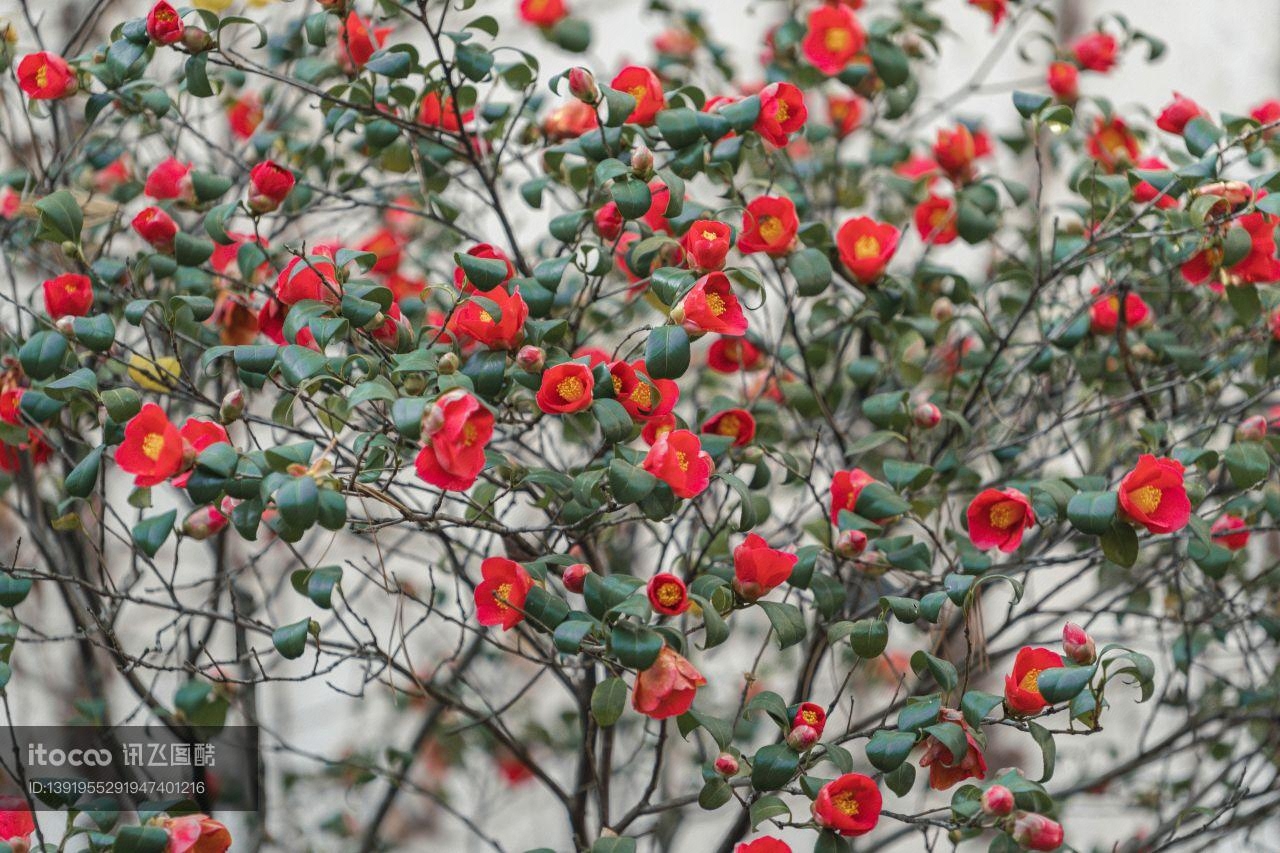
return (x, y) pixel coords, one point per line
(714, 794)
(1092, 512)
(747, 515)
(83, 478)
(614, 845)
(150, 533)
(773, 766)
(317, 584)
(97, 333)
(636, 646)
(1200, 135)
(608, 700)
(952, 736)
(1029, 103)
(887, 749)
(773, 705)
(1247, 463)
(876, 501)
(391, 63)
(41, 355)
(141, 839)
(976, 705)
(291, 640)
(812, 270)
(1048, 749)
(632, 197)
(667, 352)
(918, 712)
(1120, 544)
(60, 218)
(121, 403)
(615, 422)
(869, 637)
(943, 671)
(679, 127)
(13, 590)
(484, 273)
(298, 502)
(474, 61)
(787, 621)
(767, 807)
(191, 251)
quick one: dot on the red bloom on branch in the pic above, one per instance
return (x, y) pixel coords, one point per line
(643, 397)
(710, 306)
(152, 450)
(954, 150)
(849, 805)
(455, 431)
(667, 594)
(501, 594)
(935, 219)
(1174, 118)
(1111, 143)
(542, 13)
(170, 179)
(164, 26)
(997, 9)
(1154, 496)
(810, 714)
(1022, 686)
(737, 424)
(865, 247)
(197, 435)
(677, 459)
(733, 354)
(946, 768)
(16, 821)
(846, 486)
(997, 519)
(1258, 266)
(1267, 113)
(68, 295)
(782, 113)
(356, 43)
(845, 114)
(1095, 52)
(244, 115)
(1036, 832)
(308, 278)
(156, 227)
(474, 319)
(769, 225)
(1063, 79)
(270, 184)
(1231, 532)
(1145, 191)
(706, 244)
(566, 388)
(196, 833)
(569, 121)
(758, 569)
(833, 39)
(667, 688)
(643, 85)
(438, 111)
(768, 844)
(1104, 314)
(46, 77)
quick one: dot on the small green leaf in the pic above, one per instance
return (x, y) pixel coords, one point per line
(150, 533)
(608, 700)
(773, 766)
(291, 640)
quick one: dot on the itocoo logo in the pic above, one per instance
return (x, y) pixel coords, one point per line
(40, 756)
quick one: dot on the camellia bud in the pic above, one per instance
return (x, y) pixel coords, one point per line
(1036, 832)
(1252, 428)
(66, 326)
(997, 800)
(943, 309)
(448, 363)
(851, 543)
(926, 416)
(582, 85)
(196, 40)
(642, 160)
(232, 407)
(530, 358)
(575, 576)
(726, 765)
(1078, 645)
(203, 522)
(802, 738)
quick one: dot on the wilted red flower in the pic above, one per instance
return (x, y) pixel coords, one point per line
(782, 113)
(667, 594)
(758, 569)
(542, 13)
(1111, 143)
(768, 844)
(46, 77)
(1104, 314)
(865, 247)
(152, 450)
(997, 519)
(846, 486)
(566, 388)
(706, 244)
(997, 9)
(935, 219)
(677, 459)
(170, 179)
(439, 111)
(474, 320)
(1231, 532)
(356, 43)
(308, 278)
(164, 26)
(667, 688)
(244, 115)
(1145, 191)
(270, 184)
(455, 431)
(1175, 116)
(1259, 266)
(1022, 686)
(1095, 51)
(156, 227)
(1153, 494)
(810, 714)
(1036, 832)
(501, 594)
(68, 295)
(1064, 81)
(845, 114)
(833, 39)
(737, 424)
(733, 354)
(196, 833)
(710, 306)
(849, 805)
(483, 250)
(642, 84)
(946, 769)
(769, 225)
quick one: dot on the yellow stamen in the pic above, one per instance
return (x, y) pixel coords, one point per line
(617, 385)
(837, 40)
(152, 446)
(729, 425)
(642, 395)
(682, 460)
(716, 303)
(669, 594)
(570, 389)
(42, 76)
(1031, 681)
(709, 235)
(1004, 515)
(809, 717)
(770, 228)
(865, 247)
(781, 114)
(1147, 498)
(846, 802)
(468, 434)
(500, 596)
(485, 316)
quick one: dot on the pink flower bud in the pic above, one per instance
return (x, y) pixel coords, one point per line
(1036, 832)
(232, 408)
(1252, 428)
(926, 416)
(726, 765)
(203, 522)
(802, 738)
(997, 800)
(582, 85)
(575, 576)
(642, 160)
(851, 543)
(1078, 645)
(531, 359)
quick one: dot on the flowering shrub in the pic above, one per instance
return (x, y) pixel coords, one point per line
(707, 450)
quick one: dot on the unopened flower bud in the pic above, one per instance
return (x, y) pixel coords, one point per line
(926, 416)
(726, 765)
(1036, 832)
(448, 364)
(677, 314)
(802, 738)
(582, 85)
(66, 326)
(1078, 645)
(232, 408)
(575, 576)
(1253, 428)
(943, 309)
(203, 522)
(641, 161)
(997, 800)
(531, 359)
(196, 40)
(850, 543)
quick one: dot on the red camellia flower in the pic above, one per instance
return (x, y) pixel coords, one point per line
(474, 320)
(1104, 314)
(569, 121)
(955, 150)
(643, 397)
(1095, 52)
(668, 594)
(733, 354)
(946, 769)
(1064, 81)
(500, 595)
(833, 38)
(846, 486)
(865, 247)
(706, 244)
(163, 24)
(1036, 832)
(1267, 113)
(849, 805)
(997, 9)
(244, 114)
(566, 388)
(1111, 143)
(308, 278)
(1231, 532)
(438, 111)
(170, 179)
(1259, 266)
(455, 431)
(270, 184)
(356, 43)
(196, 833)
(1153, 494)
(388, 246)
(46, 77)
(710, 306)
(666, 689)
(782, 113)
(758, 569)
(643, 85)
(845, 114)
(737, 424)
(1174, 117)
(197, 435)
(935, 219)
(769, 225)
(768, 844)
(1145, 191)
(152, 449)
(677, 459)
(16, 822)
(542, 13)
(1022, 686)
(997, 519)
(68, 295)
(156, 227)
(810, 714)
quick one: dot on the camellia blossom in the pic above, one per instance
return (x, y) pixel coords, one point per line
(455, 431)
(152, 450)
(936, 220)
(706, 244)
(782, 113)
(474, 320)
(270, 184)
(156, 227)
(954, 150)
(1063, 79)
(644, 397)
(997, 519)
(833, 38)
(642, 84)
(1111, 143)
(542, 13)
(1258, 266)
(730, 354)
(1104, 313)
(308, 278)
(199, 434)
(356, 42)
(1145, 192)
(1154, 496)
(164, 25)
(1231, 532)
(677, 459)
(196, 833)
(16, 821)
(1174, 117)
(848, 805)
(710, 306)
(46, 77)
(767, 844)
(769, 225)
(501, 594)
(997, 9)
(758, 569)
(810, 714)
(244, 115)
(1036, 832)
(489, 252)
(668, 594)
(1267, 114)
(737, 424)
(667, 688)
(170, 179)
(845, 114)
(865, 247)
(1022, 686)
(947, 769)
(1095, 51)
(566, 388)
(846, 486)
(68, 295)
(438, 111)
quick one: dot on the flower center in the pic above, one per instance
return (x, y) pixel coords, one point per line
(1031, 681)
(809, 717)
(485, 316)
(1005, 515)
(865, 247)
(468, 434)
(617, 385)
(716, 303)
(782, 113)
(1147, 498)
(846, 802)
(669, 594)
(152, 445)
(639, 93)
(570, 389)
(500, 596)
(709, 235)
(770, 228)
(939, 217)
(642, 395)
(42, 76)
(729, 425)
(837, 40)
(1114, 141)
(682, 460)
